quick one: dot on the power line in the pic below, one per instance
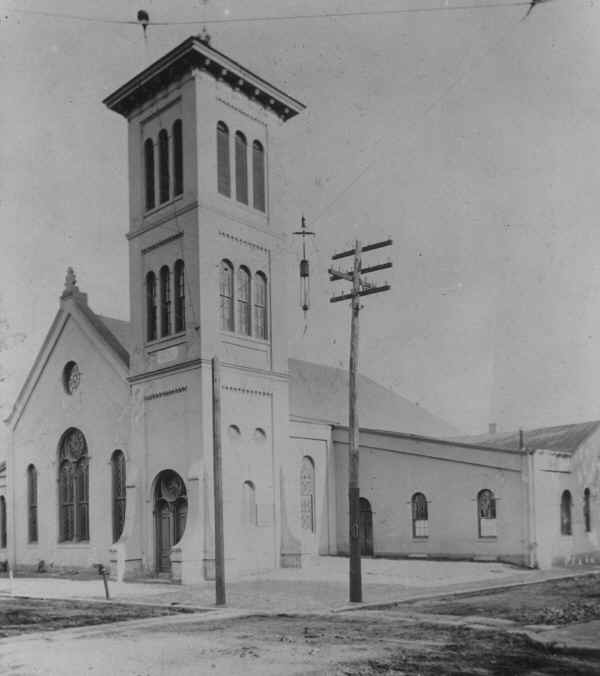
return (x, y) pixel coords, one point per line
(274, 17)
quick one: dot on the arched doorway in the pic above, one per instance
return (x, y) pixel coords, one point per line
(366, 528)
(170, 515)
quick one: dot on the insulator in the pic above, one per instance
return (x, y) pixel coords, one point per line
(304, 268)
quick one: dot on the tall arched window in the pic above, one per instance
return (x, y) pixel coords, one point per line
(587, 513)
(2, 522)
(249, 505)
(223, 168)
(258, 175)
(164, 178)
(117, 465)
(226, 291)
(243, 301)
(149, 173)
(73, 487)
(165, 301)
(420, 516)
(179, 274)
(151, 306)
(307, 494)
(486, 512)
(177, 158)
(260, 306)
(241, 168)
(566, 503)
(32, 504)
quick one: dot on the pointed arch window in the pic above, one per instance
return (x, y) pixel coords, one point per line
(566, 504)
(151, 306)
(177, 158)
(73, 487)
(226, 291)
(179, 274)
(241, 168)
(243, 301)
(420, 516)
(164, 178)
(32, 504)
(486, 512)
(260, 306)
(249, 505)
(587, 512)
(149, 173)
(2, 522)
(307, 494)
(258, 175)
(119, 498)
(165, 301)
(223, 165)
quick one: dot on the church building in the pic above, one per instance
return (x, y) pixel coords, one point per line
(111, 452)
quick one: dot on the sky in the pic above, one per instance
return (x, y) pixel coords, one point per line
(470, 137)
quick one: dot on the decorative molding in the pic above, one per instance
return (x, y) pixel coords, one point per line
(162, 242)
(243, 112)
(171, 368)
(165, 393)
(239, 240)
(170, 215)
(246, 390)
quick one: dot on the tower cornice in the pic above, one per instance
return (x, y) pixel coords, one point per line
(195, 53)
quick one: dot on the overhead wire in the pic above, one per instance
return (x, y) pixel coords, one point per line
(273, 17)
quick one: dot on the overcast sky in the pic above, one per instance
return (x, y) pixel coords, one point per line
(478, 139)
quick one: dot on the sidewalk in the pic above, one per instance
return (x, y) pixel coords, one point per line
(320, 586)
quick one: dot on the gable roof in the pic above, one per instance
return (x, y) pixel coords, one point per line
(565, 438)
(319, 392)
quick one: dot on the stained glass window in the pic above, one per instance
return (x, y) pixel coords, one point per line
(73, 487)
(486, 510)
(420, 516)
(307, 494)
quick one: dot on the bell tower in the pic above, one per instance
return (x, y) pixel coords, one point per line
(206, 279)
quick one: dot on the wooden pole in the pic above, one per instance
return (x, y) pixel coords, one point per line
(353, 464)
(218, 485)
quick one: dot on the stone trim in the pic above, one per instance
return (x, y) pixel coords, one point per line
(243, 112)
(162, 242)
(165, 393)
(239, 240)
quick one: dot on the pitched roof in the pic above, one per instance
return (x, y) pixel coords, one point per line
(565, 438)
(319, 392)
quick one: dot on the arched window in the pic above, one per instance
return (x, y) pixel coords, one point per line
(163, 166)
(258, 175)
(420, 516)
(307, 494)
(249, 505)
(566, 502)
(117, 464)
(486, 512)
(177, 158)
(587, 513)
(179, 274)
(32, 504)
(149, 173)
(151, 306)
(226, 291)
(2, 522)
(243, 301)
(223, 168)
(241, 168)
(73, 487)
(165, 301)
(260, 306)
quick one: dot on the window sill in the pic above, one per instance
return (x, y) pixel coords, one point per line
(487, 538)
(165, 340)
(420, 537)
(231, 199)
(81, 544)
(150, 212)
(242, 336)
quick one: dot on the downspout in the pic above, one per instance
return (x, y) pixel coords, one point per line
(531, 553)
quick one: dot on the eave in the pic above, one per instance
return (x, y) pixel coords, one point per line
(194, 53)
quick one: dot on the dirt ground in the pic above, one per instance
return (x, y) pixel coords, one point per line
(21, 615)
(555, 602)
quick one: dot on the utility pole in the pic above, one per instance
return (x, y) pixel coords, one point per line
(218, 485)
(360, 287)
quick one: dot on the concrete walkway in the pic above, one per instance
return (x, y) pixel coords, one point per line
(320, 586)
